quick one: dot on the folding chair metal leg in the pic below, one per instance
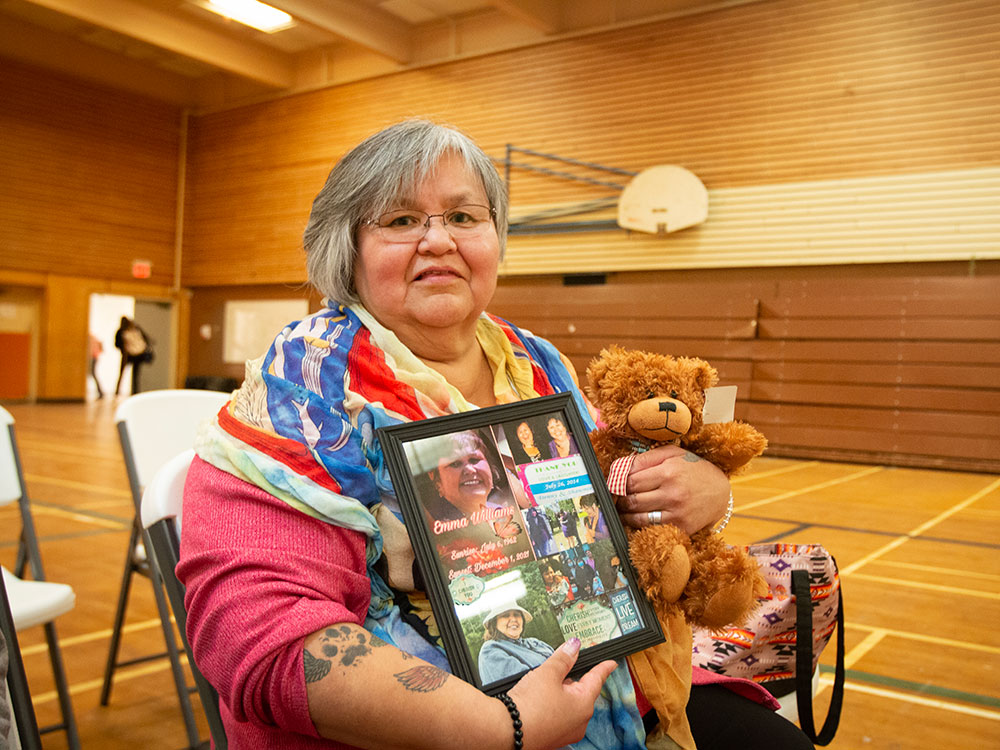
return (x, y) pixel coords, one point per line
(21, 561)
(172, 652)
(116, 629)
(180, 679)
(62, 690)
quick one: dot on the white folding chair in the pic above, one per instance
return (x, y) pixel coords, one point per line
(153, 427)
(161, 517)
(36, 601)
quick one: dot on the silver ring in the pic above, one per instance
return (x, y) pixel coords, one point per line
(654, 517)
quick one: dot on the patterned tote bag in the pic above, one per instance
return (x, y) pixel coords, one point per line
(780, 643)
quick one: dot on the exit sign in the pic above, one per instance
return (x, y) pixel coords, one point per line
(142, 269)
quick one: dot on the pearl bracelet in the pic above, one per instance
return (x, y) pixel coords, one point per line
(515, 717)
(725, 519)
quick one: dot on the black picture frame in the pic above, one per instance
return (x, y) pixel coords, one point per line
(487, 548)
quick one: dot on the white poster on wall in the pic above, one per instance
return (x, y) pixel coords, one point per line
(251, 325)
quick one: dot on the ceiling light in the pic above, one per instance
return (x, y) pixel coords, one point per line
(252, 13)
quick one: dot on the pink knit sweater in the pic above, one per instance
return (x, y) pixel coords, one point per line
(260, 577)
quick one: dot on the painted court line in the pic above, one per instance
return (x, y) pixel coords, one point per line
(919, 700)
(42, 510)
(97, 635)
(933, 639)
(944, 571)
(869, 642)
(70, 484)
(120, 675)
(899, 541)
(921, 688)
(773, 472)
(812, 488)
(926, 586)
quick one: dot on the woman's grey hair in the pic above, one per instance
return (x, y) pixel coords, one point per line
(375, 176)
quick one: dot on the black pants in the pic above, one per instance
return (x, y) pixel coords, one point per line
(136, 363)
(93, 374)
(722, 720)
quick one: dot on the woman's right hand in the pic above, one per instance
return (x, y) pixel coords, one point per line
(555, 710)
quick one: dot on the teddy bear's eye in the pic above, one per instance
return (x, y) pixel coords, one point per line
(650, 394)
(673, 394)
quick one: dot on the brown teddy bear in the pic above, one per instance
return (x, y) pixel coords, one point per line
(646, 400)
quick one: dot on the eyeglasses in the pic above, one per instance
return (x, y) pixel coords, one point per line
(410, 225)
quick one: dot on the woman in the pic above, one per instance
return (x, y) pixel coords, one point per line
(594, 526)
(562, 443)
(616, 576)
(505, 651)
(96, 348)
(526, 438)
(469, 511)
(302, 607)
(468, 486)
(569, 525)
(540, 532)
(557, 585)
(462, 476)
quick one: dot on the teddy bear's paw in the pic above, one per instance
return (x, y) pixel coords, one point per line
(674, 575)
(729, 605)
(662, 560)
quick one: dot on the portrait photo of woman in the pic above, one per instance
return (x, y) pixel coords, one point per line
(562, 443)
(506, 651)
(525, 440)
(468, 502)
(540, 532)
(466, 476)
(594, 526)
(557, 585)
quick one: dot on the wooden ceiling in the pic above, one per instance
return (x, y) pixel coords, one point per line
(179, 52)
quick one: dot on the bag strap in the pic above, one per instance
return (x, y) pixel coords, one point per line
(804, 661)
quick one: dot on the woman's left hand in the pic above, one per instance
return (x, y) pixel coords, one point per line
(689, 492)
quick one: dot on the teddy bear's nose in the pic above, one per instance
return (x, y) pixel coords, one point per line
(660, 419)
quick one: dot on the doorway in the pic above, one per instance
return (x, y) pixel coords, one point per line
(154, 317)
(20, 328)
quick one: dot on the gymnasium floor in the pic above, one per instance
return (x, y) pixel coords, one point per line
(918, 552)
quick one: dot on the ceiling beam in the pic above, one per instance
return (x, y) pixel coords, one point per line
(368, 26)
(34, 45)
(544, 15)
(167, 31)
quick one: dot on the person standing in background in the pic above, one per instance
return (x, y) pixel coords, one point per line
(133, 343)
(96, 347)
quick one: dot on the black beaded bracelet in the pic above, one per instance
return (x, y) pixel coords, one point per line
(515, 717)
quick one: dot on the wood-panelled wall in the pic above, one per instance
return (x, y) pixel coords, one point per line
(896, 364)
(89, 185)
(89, 177)
(207, 323)
(890, 363)
(756, 95)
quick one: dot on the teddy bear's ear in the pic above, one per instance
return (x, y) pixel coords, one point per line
(705, 375)
(598, 367)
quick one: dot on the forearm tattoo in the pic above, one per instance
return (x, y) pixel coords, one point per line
(423, 679)
(342, 644)
(348, 647)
